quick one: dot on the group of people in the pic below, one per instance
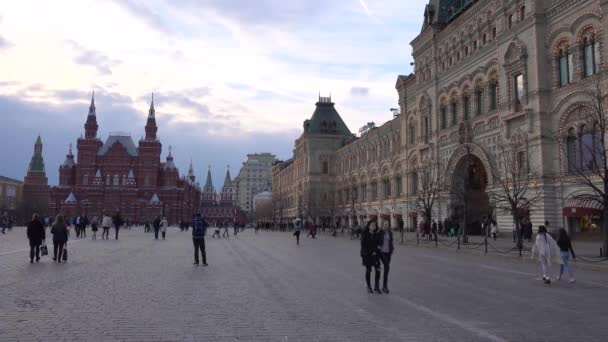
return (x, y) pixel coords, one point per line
(376, 248)
(36, 234)
(550, 251)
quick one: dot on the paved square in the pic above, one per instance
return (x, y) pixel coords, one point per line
(265, 288)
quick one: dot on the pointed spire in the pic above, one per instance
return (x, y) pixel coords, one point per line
(209, 181)
(228, 179)
(92, 106)
(37, 162)
(151, 112)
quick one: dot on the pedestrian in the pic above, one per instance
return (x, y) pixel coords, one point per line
(225, 233)
(216, 233)
(297, 229)
(83, 226)
(163, 227)
(106, 222)
(94, 227)
(3, 223)
(565, 249)
(494, 229)
(386, 251)
(370, 255)
(156, 224)
(199, 229)
(236, 228)
(434, 229)
(118, 222)
(36, 235)
(547, 250)
(60, 237)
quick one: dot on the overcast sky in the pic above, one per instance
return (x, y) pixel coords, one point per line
(230, 77)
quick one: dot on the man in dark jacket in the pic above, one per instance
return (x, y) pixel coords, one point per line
(36, 234)
(118, 222)
(156, 226)
(370, 255)
(199, 228)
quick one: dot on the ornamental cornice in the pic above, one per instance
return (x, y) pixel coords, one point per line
(560, 7)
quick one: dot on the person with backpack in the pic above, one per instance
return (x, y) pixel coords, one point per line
(547, 250)
(36, 234)
(60, 237)
(565, 249)
(199, 229)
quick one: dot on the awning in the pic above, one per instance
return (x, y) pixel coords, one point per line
(579, 207)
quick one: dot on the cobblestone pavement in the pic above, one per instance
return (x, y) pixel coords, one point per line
(265, 288)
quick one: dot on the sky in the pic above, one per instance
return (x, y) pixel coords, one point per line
(229, 77)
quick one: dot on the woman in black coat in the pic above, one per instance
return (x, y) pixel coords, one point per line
(36, 234)
(370, 255)
(60, 237)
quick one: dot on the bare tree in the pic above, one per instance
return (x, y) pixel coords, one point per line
(427, 194)
(585, 153)
(516, 187)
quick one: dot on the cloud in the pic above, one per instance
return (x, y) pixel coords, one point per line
(359, 91)
(145, 14)
(4, 44)
(96, 59)
(269, 13)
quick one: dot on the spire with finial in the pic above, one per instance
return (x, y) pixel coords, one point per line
(92, 106)
(151, 128)
(90, 126)
(151, 112)
(208, 181)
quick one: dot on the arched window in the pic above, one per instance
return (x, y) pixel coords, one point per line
(454, 112)
(124, 179)
(399, 187)
(466, 106)
(325, 168)
(387, 188)
(522, 13)
(591, 57)
(509, 21)
(565, 67)
(493, 95)
(116, 180)
(413, 183)
(478, 101)
(586, 148)
(493, 33)
(147, 180)
(411, 133)
(85, 179)
(374, 190)
(571, 150)
(443, 117)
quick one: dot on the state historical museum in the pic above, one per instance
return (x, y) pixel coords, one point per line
(117, 175)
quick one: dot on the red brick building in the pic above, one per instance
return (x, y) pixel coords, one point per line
(221, 209)
(35, 186)
(116, 175)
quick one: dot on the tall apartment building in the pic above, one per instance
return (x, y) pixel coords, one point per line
(254, 177)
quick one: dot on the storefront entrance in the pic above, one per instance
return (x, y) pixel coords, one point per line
(469, 200)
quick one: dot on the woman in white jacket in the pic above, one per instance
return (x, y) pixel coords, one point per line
(163, 226)
(547, 251)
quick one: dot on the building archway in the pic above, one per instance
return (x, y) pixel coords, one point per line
(469, 200)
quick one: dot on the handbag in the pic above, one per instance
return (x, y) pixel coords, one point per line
(65, 254)
(44, 250)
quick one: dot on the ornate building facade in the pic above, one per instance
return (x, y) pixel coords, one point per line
(488, 74)
(305, 185)
(116, 175)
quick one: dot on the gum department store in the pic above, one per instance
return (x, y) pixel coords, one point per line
(488, 73)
